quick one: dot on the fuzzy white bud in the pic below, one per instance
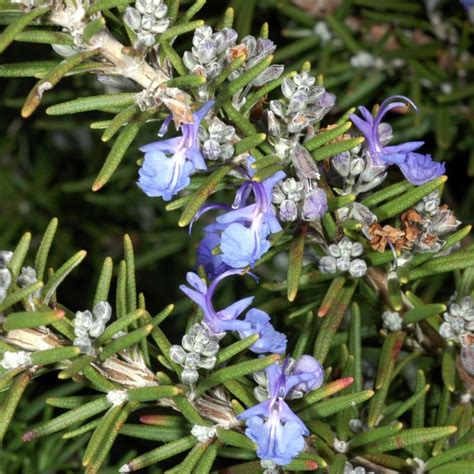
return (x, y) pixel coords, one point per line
(14, 360)
(117, 397)
(203, 433)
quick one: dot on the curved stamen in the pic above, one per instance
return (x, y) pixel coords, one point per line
(207, 207)
(385, 107)
(241, 195)
(213, 285)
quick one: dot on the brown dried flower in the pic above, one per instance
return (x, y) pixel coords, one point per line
(381, 236)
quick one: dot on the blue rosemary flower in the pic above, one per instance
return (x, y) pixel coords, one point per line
(242, 232)
(169, 164)
(270, 340)
(217, 321)
(212, 262)
(247, 227)
(277, 431)
(417, 168)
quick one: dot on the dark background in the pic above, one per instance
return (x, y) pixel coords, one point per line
(47, 166)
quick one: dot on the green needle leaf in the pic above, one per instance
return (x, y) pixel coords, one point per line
(423, 312)
(323, 138)
(116, 154)
(410, 198)
(8, 407)
(11, 31)
(234, 371)
(44, 248)
(334, 149)
(410, 437)
(376, 434)
(330, 407)
(31, 319)
(98, 102)
(295, 263)
(67, 419)
(200, 196)
(58, 277)
(19, 255)
(123, 342)
(160, 454)
(51, 356)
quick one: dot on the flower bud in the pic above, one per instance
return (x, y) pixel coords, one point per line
(392, 321)
(83, 319)
(357, 166)
(177, 354)
(211, 149)
(342, 163)
(192, 360)
(189, 376)
(5, 258)
(207, 362)
(327, 264)
(15, 360)
(5, 279)
(27, 276)
(467, 358)
(308, 364)
(288, 211)
(343, 264)
(358, 268)
(96, 329)
(315, 205)
(102, 311)
(132, 18)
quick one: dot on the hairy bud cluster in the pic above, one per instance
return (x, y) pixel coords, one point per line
(458, 323)
(305, 104)
(208, 55)
(295, 199)
(436, 221)
(217, 140)
(203, 433)
(26, 278)
(341, 258)
(392, 321)
(5, 275)
(90, 325)
(15, 360)
(212, 51)
(147, 19)
(358, 173)
(269, 467)
(350, 469)
(198, 350)
(117, 397)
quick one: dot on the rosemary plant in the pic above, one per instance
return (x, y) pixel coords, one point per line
(344, 340)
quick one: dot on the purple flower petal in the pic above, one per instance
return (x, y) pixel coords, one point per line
(420, 169)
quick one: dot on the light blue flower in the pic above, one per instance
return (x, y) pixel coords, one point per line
(169, 164)
(307, 364)
(247, 227)
(161, 176)
(417, 168)
(243, 230)
(270, 341)
(277, 431)
(221, 321)
(212, 262)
